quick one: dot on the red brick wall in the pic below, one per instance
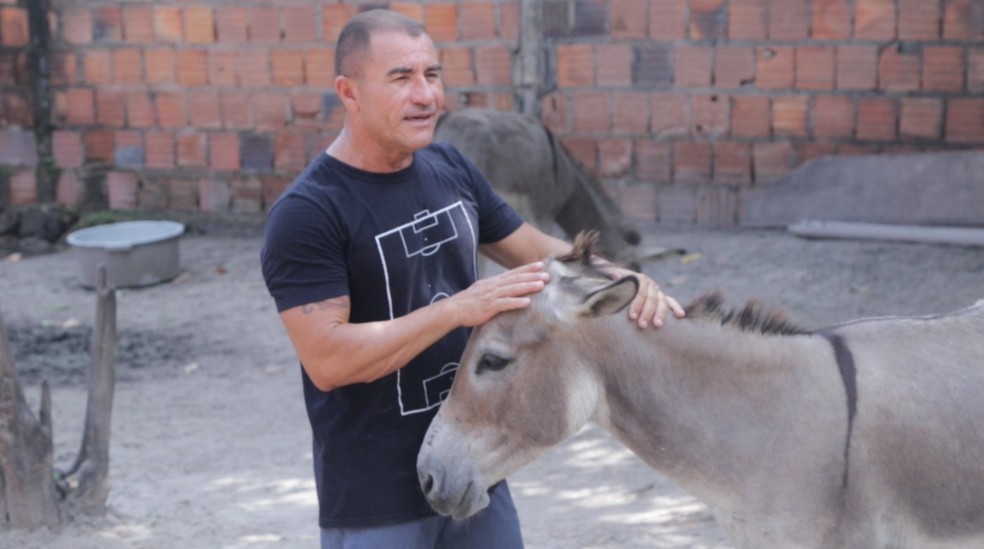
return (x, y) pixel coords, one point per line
(203, 104)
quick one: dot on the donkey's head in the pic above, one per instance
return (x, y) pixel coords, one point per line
(526, 382)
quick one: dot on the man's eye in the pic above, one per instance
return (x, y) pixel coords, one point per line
(492, 363)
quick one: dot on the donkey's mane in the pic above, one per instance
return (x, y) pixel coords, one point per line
(583, 254)
(753, 317)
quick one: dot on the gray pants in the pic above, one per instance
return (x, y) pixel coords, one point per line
(495, 527)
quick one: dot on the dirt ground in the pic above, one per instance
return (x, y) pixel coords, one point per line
(210, 444)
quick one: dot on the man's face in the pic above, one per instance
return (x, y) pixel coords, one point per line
(400, 91)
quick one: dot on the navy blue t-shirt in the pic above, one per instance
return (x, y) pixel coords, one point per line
(393, 243)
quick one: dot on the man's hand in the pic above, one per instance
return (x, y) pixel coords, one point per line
(650, 305)
(503, 292)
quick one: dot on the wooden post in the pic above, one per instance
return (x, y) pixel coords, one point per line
(529, 57)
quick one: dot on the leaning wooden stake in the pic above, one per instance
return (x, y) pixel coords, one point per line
(91, 467)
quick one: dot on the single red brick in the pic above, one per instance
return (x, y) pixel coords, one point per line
(857, 67)
(943, 68)
(591, 112)
(734, 66)
(441, 21)
(16, 109)
(224, 151)
(110, 108)
(23, 187)
(630, 112)
(732, 162)
(66, 147)
(160, 150)
(457, 64)
(509, 23)
(833, 116)
(710, 114)
(170, 110)
(629, 19)
(140, 110)
(921, 117)
(667, 19)
(288, 67)
(775, 67)
(107, 24)
(14, 29)
(168, 26)
(772, 160)
(708, 19)
(814, 67)
(975, 70)
(232, 24)
(670, 114)
(121, 190)
(638, 201)
(235, 113)
(613, 63)
(269, 111)
(98, 145)
(614, 157)
(264, 24)
(253, 67)
(160, 66)
(334, 17)
(291, 154)
(306, 105)
(789, 20)
(831, 19)
(127, 66)
(919, 19)
(97, 65)
(692, 65)
(898, 69)
(199, 25)
(750, 116)
(477, 20)
(80, 107)
(203, 110)
(747, 20)
(63, 69)
(76, 25)
(963, 20)
(876, 119)
(653, 161)
(319, 67)
(493, 65)
(691, 162)
(299, 23)
(191, 149)
(575, 65)
(810, 150)
(222, 67)
(138, 24)
(965, 120)
(69, 188)
(192, 67)
(789, 115)
(874, 19)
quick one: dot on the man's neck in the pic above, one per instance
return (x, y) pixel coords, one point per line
(370, 158)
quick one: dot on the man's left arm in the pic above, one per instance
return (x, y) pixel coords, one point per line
(528, 244)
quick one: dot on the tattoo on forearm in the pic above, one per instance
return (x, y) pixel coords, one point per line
(326, 305)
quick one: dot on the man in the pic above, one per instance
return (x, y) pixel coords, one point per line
(371, 257)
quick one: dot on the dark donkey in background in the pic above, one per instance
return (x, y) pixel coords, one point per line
(532, 171)
(869, 434)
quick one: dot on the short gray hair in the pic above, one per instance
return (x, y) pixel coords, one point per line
(353, 41)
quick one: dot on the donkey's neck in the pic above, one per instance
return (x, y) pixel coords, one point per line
(704, 404)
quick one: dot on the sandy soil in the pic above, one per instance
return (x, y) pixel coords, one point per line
(210, 444)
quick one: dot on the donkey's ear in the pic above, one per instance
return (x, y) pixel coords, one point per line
(609, 299)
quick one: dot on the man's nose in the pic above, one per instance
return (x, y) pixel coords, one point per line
(423, 91)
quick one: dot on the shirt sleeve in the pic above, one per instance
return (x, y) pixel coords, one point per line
(303, 258)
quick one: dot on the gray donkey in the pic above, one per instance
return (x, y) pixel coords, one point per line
(530, 169)
(869, 434)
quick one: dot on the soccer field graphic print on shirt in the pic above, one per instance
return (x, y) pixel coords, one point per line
(416, 255)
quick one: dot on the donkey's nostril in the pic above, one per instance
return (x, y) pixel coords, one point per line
(427, 483)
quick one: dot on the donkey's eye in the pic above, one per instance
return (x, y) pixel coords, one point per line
(492, 363)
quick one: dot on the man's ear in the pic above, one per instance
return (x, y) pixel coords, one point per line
(610, 299)
(348, 92)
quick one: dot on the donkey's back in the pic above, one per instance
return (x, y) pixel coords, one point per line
(916, 463)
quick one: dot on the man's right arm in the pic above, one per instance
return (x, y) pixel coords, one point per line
(336, 352)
